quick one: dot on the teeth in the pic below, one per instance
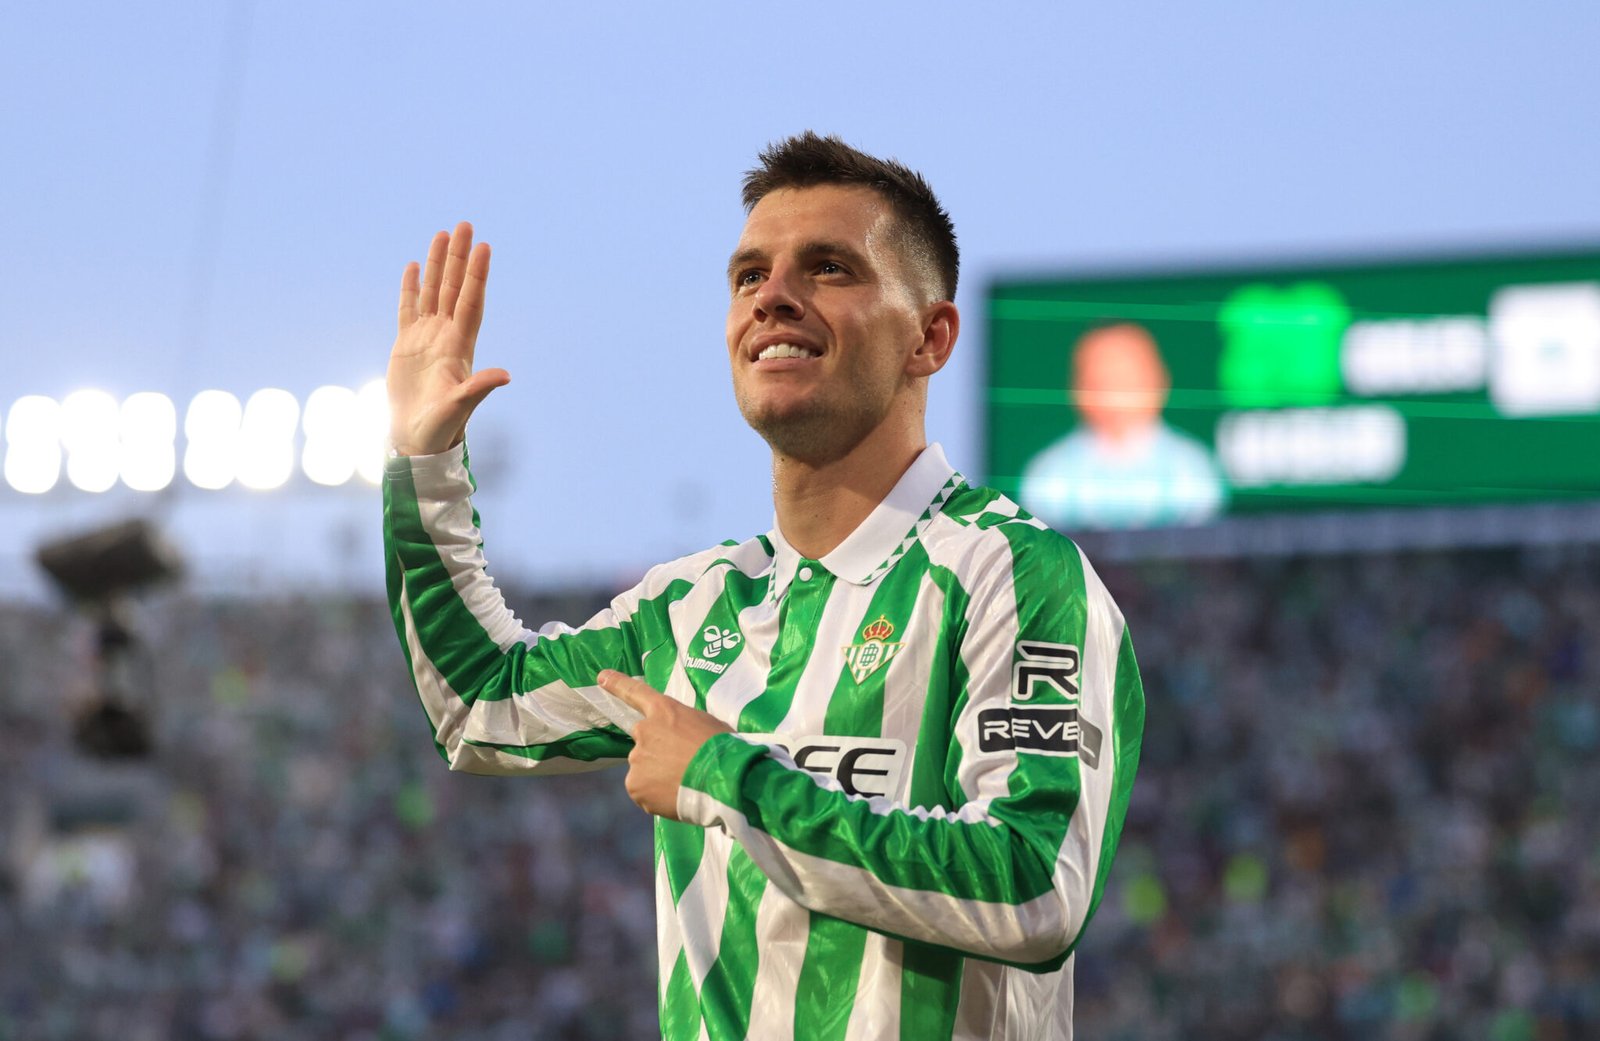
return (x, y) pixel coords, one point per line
(786, 350)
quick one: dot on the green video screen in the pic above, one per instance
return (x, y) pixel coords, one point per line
(1121, 402)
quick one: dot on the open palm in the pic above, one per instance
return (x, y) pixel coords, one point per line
(432, 387)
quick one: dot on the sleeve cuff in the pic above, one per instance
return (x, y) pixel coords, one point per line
(440, 476)
(394, 458)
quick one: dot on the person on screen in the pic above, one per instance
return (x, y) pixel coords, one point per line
(1122, 467)
(890, 742)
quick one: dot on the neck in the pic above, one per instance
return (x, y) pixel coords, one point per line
(820, 503)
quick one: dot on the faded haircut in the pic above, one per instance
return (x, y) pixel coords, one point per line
(926, 235)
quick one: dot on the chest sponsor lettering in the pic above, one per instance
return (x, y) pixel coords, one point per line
(862, 765)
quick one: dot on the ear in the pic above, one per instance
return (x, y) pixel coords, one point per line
(940, 326)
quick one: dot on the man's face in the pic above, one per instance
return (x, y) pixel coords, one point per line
(1119, 382)
(823, 319)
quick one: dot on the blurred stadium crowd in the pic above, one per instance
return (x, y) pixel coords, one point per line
(1369, 808)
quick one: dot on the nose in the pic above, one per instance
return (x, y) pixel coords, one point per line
(778, 296)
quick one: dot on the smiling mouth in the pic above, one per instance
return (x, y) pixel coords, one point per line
(787, 350)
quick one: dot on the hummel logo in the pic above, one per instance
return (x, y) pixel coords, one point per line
(718, 640)
(714, 641)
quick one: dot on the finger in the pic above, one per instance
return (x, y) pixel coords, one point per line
(480, 383)
(455, 268)
(469, 394)
(636, 694)
(409, 284)
(429, 304)
(469, 308)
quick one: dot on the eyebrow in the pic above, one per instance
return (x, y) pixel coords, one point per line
(814, 248)
(740, 259)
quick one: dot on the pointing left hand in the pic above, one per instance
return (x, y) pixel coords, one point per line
(663, 741)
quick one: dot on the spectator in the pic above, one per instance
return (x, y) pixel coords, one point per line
(1369, 807)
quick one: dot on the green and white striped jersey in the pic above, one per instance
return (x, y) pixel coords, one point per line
(938, 726)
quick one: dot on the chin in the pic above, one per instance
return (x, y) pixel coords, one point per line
(810, 436)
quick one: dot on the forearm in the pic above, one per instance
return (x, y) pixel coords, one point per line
(968, 880)
(436, 564)
(499, 697)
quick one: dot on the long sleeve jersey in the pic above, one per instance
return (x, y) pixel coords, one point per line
(937, 728)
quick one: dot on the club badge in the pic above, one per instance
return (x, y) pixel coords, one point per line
(873, 652)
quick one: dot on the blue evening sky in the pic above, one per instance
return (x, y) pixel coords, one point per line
(223, 195)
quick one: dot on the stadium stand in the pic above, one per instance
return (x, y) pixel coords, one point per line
(1369, 808)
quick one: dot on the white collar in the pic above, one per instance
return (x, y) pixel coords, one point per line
(878, 542)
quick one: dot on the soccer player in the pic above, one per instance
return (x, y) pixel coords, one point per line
(889, 744)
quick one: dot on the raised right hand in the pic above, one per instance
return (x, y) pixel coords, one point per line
(432, 388)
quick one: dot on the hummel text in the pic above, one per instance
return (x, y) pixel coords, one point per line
(717, 667)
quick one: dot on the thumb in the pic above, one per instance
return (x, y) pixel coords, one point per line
(469, 394)
(472, 390)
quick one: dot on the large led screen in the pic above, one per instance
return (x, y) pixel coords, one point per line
(1175, 398)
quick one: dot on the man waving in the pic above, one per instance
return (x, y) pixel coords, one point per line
(889, 743)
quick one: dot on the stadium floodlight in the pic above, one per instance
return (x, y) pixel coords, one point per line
(96, 441)
(149, 424)
(331, 426)
(97, 571)
(266, 439)
(33, 444)
(211, 427)
(90, 436)
(372, 408)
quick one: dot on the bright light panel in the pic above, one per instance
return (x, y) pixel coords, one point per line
(33, 444)
(212, 430)
(266, 439)
(330, 426)
(149, 424)
(372, 408)
(90, 436)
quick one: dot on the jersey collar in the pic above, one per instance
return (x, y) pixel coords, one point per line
(882, 539)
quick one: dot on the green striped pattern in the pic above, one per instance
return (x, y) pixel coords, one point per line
(854, 863)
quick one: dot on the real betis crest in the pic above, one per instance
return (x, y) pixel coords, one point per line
(873, 652)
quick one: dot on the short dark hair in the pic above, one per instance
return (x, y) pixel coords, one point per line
(808, 159)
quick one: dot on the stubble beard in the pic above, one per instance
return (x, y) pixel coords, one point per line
(815, 433)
